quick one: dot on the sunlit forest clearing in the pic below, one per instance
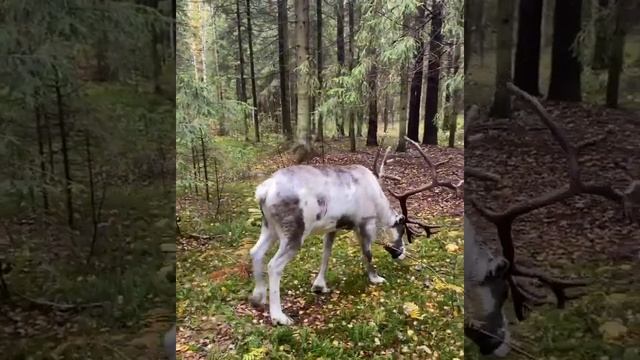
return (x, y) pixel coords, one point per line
(347, 95)
(585, 236)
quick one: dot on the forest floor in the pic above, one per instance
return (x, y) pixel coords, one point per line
(416, 314)
(583, 237)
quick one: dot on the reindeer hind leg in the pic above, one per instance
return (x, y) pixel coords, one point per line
(267, 235)
(289, 247)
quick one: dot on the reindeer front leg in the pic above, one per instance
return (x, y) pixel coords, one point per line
(367, 233)
(320, 284)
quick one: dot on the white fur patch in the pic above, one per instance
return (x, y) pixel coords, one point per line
(401, 257)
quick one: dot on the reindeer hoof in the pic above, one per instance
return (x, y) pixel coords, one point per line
(258, 300)
(281, 319)
(376, 279)
(320, 289)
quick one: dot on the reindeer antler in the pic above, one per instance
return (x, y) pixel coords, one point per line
(435, 182)
(504, 220)
(380, 174)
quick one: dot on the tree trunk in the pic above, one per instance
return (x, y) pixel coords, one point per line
(601, 46)
(43, 166)
(155, 55)
(473, 31)
(352, 60)
(340, 58)
(103, 71)
(480, 26)
(65, 153)
(293, 90)
(222, 130)
(547, 23)
(92, 194)
(254, 96)
(243, 86)
(311, 50)
(283, 61)
(52, 170)
(430, 134)
(173, 26)
(385, 113)
(616, 59)
(372, 130)
(194, 160)
(456, 98)
(319, 65)
(416, 80)
(565, 65)
(404, 97)
(303, 147)
(501, 107)
(527, 63)
(468, 33)
(204, 164)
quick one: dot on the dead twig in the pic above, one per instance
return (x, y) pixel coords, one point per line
(59, 306)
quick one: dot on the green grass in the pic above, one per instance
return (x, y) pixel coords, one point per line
(356, 320)
(574, 332)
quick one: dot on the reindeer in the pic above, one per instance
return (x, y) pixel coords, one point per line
(303, 200)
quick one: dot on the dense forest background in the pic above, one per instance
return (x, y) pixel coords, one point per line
(598, 32)
(87, 143)
(247, 65)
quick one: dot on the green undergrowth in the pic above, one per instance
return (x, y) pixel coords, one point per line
(603, 324)
(128, 276)
(417, 313)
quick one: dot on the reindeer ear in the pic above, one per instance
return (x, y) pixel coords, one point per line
(498, 267)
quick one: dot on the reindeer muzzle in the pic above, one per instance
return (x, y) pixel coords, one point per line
(396, 254)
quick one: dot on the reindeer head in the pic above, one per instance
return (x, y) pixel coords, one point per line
(397, 233)
(486, 291)
(399, 224)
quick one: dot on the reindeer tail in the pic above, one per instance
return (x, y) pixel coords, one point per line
(262, 191)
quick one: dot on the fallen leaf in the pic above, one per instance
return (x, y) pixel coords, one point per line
(452, 248)
(412, 310)
(612, 330)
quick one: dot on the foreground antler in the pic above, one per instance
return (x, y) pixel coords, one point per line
(403, 197)
(523, 297)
